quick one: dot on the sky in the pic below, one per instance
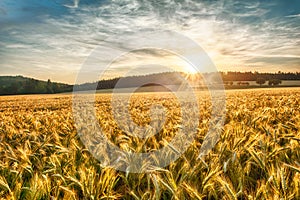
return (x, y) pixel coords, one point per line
(52, 39)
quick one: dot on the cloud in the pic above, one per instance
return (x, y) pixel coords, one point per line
(3, 11)
(292, 16)
(75, 5)
(233, 33)
(276, 59)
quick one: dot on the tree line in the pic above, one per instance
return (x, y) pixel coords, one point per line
(22, 85)
(165, 78)
(253, 76)
(173, 78)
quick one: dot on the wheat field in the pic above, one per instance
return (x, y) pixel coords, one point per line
(257, 156)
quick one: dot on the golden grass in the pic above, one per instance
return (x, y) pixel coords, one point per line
(257, 156)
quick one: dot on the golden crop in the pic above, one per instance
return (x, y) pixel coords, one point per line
(257, 156)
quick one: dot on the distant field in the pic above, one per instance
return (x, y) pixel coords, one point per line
(252, 85)
(284, 83)
(257, 157)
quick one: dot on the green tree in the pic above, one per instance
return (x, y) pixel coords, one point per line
(260, 81)
(274, 82)
(49, 87)
(13, 88)
(29, 86)
(1, 89)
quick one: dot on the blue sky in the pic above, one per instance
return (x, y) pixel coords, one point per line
(52, 39)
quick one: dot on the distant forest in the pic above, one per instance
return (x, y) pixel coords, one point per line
(22, 85)
(173, 78)
(250, 76)
(165, 78)
(10, 85)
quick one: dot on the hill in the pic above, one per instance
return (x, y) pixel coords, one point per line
(23, 85)
(165, 78)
